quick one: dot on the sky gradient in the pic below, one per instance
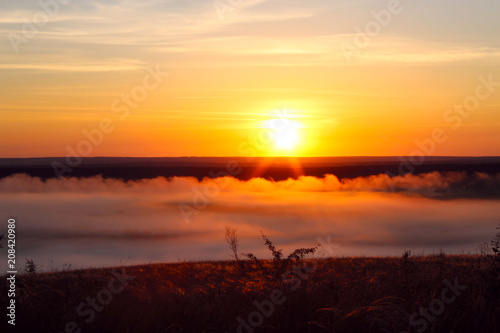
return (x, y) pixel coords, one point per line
(231, 67)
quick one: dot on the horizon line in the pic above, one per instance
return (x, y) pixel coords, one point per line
(277, 156)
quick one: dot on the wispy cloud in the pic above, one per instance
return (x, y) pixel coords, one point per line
(78, 67)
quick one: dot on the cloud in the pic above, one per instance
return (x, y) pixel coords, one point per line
(77, 67)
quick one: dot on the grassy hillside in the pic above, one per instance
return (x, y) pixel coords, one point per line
(456, 294)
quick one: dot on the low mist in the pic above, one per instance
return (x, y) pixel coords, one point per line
(91, 222)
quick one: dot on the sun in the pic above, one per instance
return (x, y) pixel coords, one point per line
(286, 139)
(285, 133)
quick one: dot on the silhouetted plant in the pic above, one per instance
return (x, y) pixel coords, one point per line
(407, 265)
(442, 254)
(406, 256)
(30, 266)
(281, 264)
(232, 239)
(495, 251)
(495, 243)
(492, 273)
(277, 254)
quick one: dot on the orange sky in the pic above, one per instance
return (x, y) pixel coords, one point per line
(229, 75)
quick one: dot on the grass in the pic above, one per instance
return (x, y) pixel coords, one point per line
(437, 293)
(334, 295)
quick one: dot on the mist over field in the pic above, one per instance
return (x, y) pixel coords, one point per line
(89, 222)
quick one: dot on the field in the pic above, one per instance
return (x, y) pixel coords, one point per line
(438, 293)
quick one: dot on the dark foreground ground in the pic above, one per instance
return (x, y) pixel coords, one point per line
(415, 294)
